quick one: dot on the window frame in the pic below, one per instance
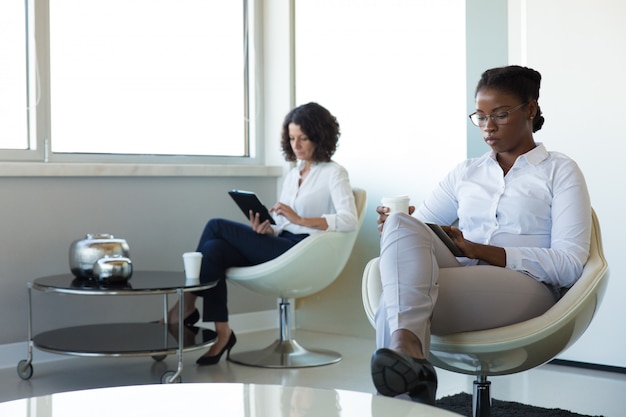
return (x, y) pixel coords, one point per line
(38, 13)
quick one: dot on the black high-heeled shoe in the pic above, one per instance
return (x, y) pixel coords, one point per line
(395, 373)
(212, 360)
(191, 319)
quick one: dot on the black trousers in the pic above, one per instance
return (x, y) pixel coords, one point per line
(224, 244)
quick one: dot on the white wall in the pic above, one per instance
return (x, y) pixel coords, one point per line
(578, 46)
(400, 99)
(160, 216)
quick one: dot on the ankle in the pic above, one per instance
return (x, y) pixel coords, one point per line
(223, 338)
(406, 342)
(223, 330)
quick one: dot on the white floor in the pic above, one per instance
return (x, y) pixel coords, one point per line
(579, 390)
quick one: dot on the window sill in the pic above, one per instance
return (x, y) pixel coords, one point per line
(38, 169)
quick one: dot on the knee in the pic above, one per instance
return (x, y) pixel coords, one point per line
(403, 226)
(214, 224)
(398, 220)
(213, 249)
(213, 229)
(395, 219)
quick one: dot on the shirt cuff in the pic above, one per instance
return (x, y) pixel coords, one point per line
(514, 259)
(331, 220)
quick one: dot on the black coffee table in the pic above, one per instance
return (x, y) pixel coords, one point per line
(119, 339)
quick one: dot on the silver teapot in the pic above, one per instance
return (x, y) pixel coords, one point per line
(85, 252)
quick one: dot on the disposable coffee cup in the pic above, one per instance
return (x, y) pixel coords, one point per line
(399, 203)
(192, 262)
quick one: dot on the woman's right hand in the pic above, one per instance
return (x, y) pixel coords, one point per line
(383, 214)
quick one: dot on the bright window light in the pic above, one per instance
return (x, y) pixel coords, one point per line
(394, 74)
(159, 77)
(13, 76)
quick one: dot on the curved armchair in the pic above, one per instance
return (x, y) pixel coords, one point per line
(305, 269)
(518, 347)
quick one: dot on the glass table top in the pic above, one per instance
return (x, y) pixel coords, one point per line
(216, 399)
(122, 339)
(140, 281)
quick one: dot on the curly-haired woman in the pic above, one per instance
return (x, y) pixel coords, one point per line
(316, 197)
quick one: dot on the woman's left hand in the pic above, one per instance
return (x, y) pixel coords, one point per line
(263, 228)
(493, 255)
(457, 237)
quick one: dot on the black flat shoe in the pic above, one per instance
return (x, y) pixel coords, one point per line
(394, 374)
(212, 360)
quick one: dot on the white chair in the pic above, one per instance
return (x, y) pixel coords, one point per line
(518, 347)
(305, 269)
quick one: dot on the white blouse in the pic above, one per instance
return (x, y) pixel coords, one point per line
(324, 192)
(540, 212)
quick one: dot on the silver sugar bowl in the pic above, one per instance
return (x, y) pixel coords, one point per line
(112, 270)
(85, 252)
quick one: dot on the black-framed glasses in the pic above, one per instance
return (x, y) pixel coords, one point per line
(501, 118)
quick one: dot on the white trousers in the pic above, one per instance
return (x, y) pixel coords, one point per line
(425, 288)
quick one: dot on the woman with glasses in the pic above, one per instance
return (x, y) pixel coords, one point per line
(523, 217)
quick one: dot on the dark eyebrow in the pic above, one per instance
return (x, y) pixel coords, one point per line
(497, 109)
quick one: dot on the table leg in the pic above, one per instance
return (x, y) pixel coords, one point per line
(176, 376)
(25, 366)
(165, 310)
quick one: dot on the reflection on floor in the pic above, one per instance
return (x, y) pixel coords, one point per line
(579, 390)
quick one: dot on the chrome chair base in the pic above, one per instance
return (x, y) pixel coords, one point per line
(285, 354)
(481, 400)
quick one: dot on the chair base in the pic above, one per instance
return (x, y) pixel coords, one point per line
(285, 354)
(481, 400)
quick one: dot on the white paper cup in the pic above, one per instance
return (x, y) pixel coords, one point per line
(192, 262)
(399, 203)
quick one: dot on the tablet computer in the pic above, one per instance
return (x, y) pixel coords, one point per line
(247, 200)
(441, 234)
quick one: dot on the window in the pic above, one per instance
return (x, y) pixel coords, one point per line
(13, 76)
(128, 79)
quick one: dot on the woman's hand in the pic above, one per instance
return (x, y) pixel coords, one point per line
(382, 216)
(262, 228)
(284, 210)
(493, 255)
(457, 237)
(287, 212)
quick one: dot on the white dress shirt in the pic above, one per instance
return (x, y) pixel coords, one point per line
(540, 212)
(325, 192)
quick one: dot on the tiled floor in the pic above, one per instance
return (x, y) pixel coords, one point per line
(579, 390)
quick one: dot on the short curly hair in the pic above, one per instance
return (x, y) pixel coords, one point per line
(521, 82)
(320, 126)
